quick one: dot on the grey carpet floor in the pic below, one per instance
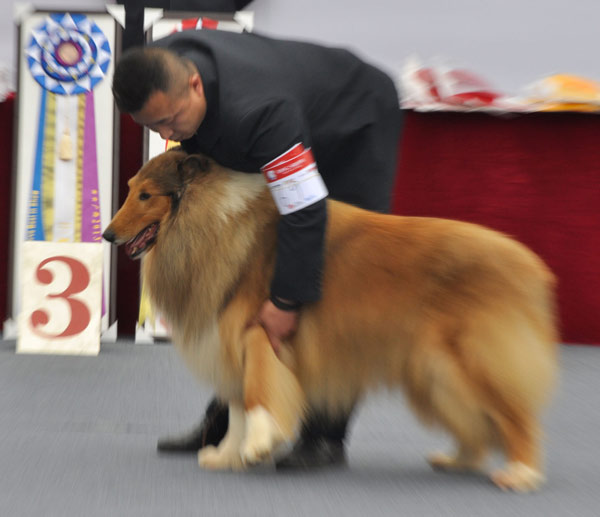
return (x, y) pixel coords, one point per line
(78, 438)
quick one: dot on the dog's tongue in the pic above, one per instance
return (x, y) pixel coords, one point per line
(141, 240)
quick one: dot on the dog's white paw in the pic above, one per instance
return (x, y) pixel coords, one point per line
(441, 461)
(518, 477)
(262, 436)
(453, 462)
(216, 458)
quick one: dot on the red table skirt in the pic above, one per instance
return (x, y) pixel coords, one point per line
(535, 176)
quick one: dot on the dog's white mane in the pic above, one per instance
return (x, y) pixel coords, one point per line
(240, 189)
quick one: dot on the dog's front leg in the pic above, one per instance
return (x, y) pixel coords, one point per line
(273, 399)
(227, 455)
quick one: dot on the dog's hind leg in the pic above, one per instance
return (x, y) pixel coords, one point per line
(226, 456)
(458, 411)
(520, 435)
(442, 394)
(273, 399)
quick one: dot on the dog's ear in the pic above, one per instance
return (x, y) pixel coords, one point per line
(191, 166)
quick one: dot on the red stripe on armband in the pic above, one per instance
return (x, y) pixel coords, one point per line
(189, 24)
(209, 23)
(295, 159)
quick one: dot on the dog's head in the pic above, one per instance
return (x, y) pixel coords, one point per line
(154, 195)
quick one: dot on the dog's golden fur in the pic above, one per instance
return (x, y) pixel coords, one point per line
(460, 317)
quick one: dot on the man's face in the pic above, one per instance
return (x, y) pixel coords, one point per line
(174, 116)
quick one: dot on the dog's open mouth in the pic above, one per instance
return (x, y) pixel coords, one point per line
(142, 241)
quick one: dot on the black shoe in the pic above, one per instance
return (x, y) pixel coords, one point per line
(314, 452)
(211, 431)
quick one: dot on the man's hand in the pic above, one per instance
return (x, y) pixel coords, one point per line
(278, 324)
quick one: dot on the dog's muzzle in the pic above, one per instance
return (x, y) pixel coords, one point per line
(109, 235)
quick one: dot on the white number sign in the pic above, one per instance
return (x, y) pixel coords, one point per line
(62, 298)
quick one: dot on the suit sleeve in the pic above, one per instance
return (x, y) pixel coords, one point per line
(275, 137)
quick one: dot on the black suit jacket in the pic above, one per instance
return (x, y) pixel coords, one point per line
(265, 95)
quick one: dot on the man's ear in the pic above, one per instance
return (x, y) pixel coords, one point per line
(191, 166)
(195, 82)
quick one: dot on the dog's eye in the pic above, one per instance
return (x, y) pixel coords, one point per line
(144, 196)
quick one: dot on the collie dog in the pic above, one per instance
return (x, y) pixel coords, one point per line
(460, 317)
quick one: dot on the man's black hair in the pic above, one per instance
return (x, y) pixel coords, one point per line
(140, 72)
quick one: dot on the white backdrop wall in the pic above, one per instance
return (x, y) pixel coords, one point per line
(509, 42)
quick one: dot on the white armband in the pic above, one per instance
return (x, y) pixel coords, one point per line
(294, 180)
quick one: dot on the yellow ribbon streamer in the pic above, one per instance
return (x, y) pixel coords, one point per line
(48, 167)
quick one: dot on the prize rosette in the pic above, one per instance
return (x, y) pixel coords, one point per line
(68, 54)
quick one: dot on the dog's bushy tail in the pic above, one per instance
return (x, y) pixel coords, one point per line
(487, 381)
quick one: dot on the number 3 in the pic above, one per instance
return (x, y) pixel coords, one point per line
(80, 314)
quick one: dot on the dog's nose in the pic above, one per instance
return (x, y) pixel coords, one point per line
(109, 235)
